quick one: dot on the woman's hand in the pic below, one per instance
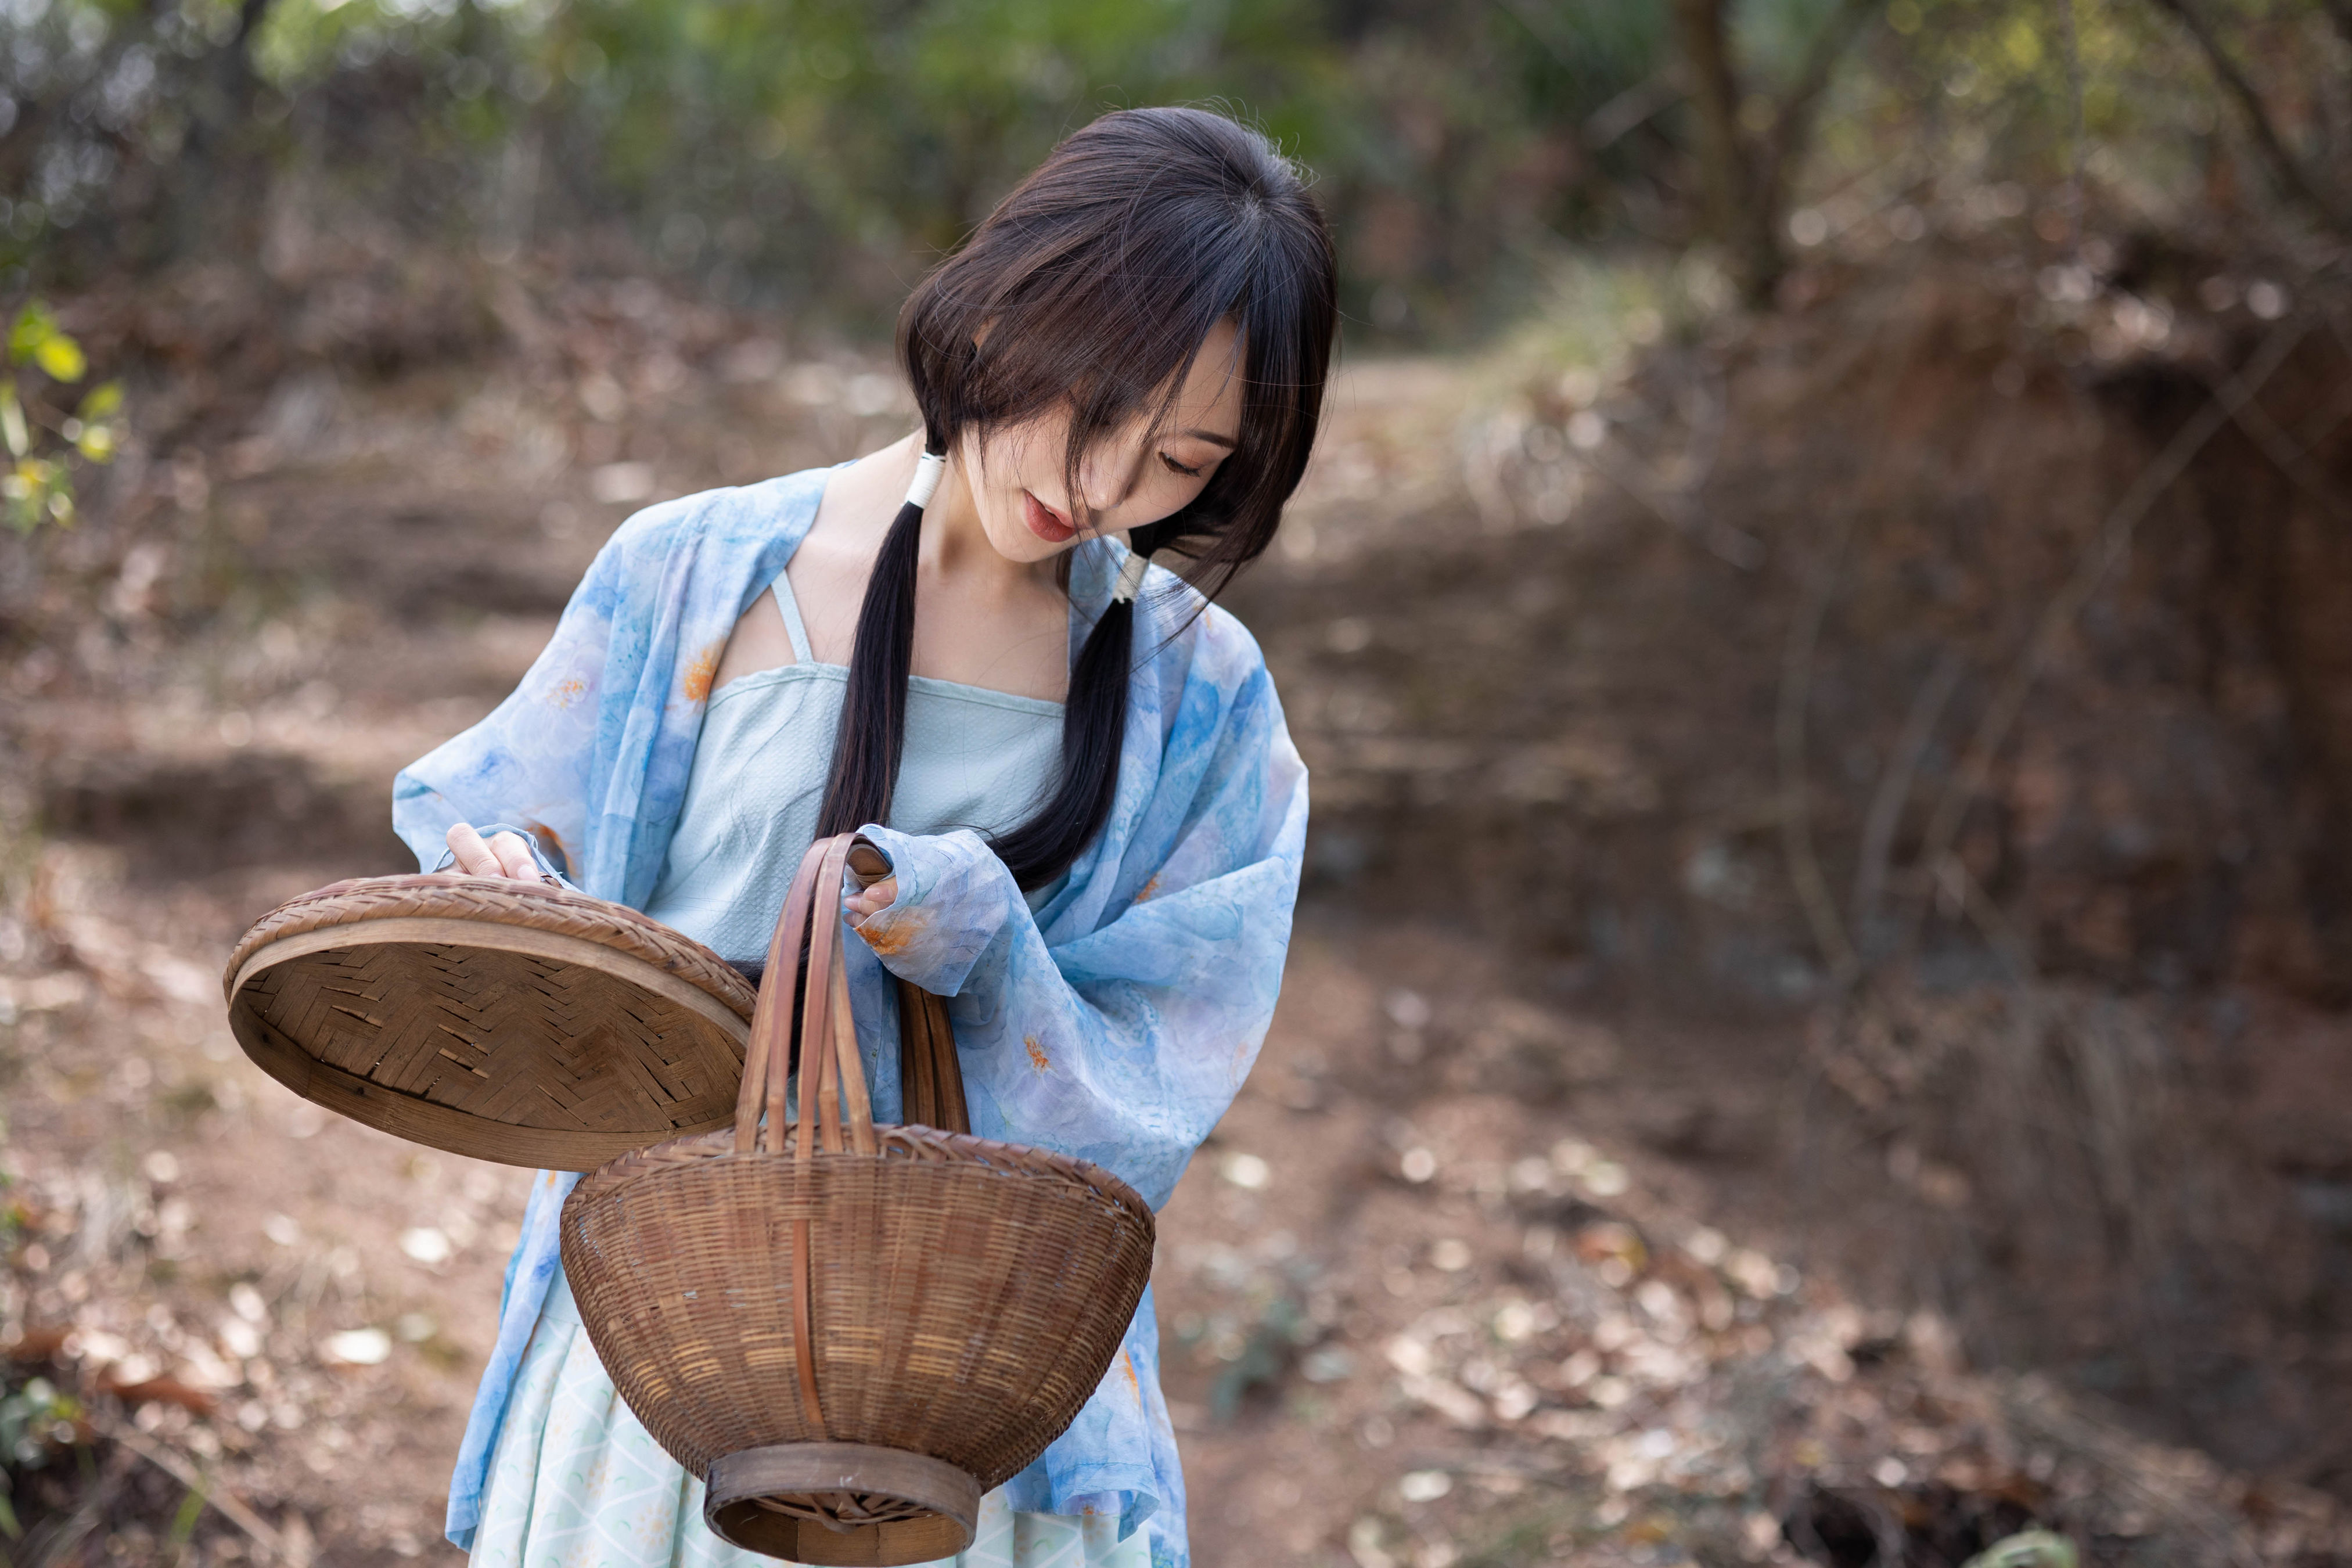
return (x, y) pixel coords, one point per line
(504, 856)
(871, 900)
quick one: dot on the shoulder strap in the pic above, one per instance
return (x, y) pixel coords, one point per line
(790, 608)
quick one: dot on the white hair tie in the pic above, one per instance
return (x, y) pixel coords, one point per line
(1130, 578)
(928, 470)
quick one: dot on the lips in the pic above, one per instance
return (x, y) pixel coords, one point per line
(1044, 521)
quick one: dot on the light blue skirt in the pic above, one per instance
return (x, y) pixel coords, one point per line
(577, 1482)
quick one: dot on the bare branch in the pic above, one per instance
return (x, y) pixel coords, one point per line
(1788, 737)
(2104, 553)
(1793, 126)
(1538, 27)
(2288, 170)
(217, 1497)
(2294, 460)
(1622, 114)
(1734, 546)
(1894, 792)
(1954, 882)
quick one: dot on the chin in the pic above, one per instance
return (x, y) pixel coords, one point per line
(1011, 536)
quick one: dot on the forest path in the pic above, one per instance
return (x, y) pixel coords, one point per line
(1464, 1278)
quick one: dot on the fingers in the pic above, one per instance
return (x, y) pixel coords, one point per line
(515, 857)
(508, 855)
(872, 900)
(474, 856)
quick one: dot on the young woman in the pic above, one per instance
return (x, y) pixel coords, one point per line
(1076, 767)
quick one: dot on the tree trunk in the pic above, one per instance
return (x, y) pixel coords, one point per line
(1731, 182)
(215, 188)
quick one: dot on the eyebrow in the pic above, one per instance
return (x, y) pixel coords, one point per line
(1211, 436)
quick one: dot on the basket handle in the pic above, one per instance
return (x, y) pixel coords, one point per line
(824, 1025)
(841, 1116)
(772, 1029)
(836, 1111)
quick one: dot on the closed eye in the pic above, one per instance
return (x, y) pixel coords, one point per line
(1175, 467)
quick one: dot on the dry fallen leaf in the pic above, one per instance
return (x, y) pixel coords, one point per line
(357, 1347)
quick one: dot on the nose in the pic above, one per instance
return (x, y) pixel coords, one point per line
(1112, 470)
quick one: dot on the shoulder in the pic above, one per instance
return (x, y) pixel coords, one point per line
(1215, 694)
(690, 556)
(1202, 642)
(1229, 654)
(754, 516)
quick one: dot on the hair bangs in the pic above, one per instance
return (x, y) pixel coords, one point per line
(1093, 288)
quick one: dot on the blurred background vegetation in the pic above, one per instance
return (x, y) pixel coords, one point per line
(816, 154)
(1822, 624)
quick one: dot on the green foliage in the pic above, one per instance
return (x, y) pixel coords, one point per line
(826, 149)
(2029, 1549)
(822, 152)
(36, 339)
(35, 1419)
(38, 487)
(184, 1522)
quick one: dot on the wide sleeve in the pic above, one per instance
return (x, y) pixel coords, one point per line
(526, 764)
(592, 752)
(1125, 1044)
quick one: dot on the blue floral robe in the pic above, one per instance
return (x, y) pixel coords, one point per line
(1116, 1023)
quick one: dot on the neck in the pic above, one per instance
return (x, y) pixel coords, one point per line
(955, 544)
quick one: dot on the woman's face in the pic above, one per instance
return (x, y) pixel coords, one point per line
(1132, 475)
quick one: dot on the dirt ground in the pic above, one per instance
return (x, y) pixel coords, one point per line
(1492, 1262)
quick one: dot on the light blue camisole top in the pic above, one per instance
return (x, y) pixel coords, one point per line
(974, 758)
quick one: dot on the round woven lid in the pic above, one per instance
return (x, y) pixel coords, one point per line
(504, 1020)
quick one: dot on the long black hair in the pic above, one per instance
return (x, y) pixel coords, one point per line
(1092, 287)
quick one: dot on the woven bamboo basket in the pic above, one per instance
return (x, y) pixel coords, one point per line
(506, 1020)
(850, 1331)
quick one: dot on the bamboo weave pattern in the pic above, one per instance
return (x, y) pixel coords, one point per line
(504, 902)
(923, 1309)
(433, 1030)
(966, 1294)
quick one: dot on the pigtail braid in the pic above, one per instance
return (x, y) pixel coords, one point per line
(1094, 733)
(873, 734)
(1094, 728)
